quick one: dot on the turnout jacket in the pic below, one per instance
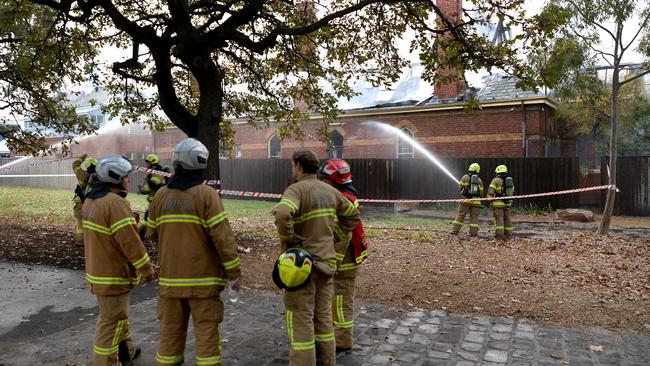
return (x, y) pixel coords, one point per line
(152, 183)
(196, 245)
(464, 183)
(114, 252)
(357, 250)
(497, 189)
(80, 174)
(314, 215)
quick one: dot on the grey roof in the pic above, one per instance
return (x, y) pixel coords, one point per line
(499, 86)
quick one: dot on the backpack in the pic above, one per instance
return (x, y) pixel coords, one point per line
(509, 188)
(89, 184)
(473, 189)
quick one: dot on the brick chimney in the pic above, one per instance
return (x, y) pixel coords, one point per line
(453, 84)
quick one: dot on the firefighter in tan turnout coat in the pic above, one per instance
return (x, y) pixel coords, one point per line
(83, 168)
(501, 186)
(471, 186)
(115, 259)
(306, 217)
(197, 258)
(336, 172)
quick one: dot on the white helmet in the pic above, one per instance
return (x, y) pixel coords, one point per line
(112, 168)
(191, 154)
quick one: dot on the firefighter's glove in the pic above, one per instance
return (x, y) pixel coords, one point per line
(148, 274)
(235, 284)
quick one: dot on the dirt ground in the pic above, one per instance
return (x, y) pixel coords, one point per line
(554, 272)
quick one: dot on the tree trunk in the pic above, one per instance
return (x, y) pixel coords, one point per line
(603, 228)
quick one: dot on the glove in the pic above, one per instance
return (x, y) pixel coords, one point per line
(235, 284)
(148, 274)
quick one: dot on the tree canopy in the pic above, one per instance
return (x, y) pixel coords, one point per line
(195, 64)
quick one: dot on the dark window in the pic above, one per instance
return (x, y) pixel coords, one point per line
(275, 147)
(336, 149)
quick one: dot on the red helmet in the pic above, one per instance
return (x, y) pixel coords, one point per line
(336, 170)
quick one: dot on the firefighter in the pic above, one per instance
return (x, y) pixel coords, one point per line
(501, 186)
(115, 260)
(306, 218)
(150, 186)
(84, 169)
(471, 186)
(336, 172)
(198, 258)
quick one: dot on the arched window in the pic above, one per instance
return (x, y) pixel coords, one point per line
(275, 147)
(404, 148)
(336, 150)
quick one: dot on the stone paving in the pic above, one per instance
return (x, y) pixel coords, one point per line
(253, 334)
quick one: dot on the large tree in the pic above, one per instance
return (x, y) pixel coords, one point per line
(203, 61)
(582, 43)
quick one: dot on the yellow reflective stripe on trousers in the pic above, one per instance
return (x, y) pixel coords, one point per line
(141, 262)
(214, 360)
(340, 256)
(102, 351)
(457, 223)
(288, 319)
(330, 262)
(118, 331)
(98, 280)
(289, 203)
(314, 214)
(473, 225)
(169, 360)
(303, 346)
(349, 266)
(186, 282)
(216, 219)
(232, 264)
(322, 338)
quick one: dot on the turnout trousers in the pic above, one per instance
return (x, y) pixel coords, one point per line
(463, 209)
(343, 308)
(174, 314)
(308, 318)
(112, 335)
(502, 223)
(78, 215)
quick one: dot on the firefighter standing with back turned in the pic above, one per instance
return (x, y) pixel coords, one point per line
(501, 186)
(336, 172)
(115, 260)
(83, 168)
(471, 186)
(305, 218)
(150, 186)
(197, 257)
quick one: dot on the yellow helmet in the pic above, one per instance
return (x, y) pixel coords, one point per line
(501, 169)
(88, 163)
(474, 167)
(152, 159)
(292, 270)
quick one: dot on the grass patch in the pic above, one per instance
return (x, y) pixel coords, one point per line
(54, 206)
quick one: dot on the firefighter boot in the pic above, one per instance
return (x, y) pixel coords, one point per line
(124, 356)
(460, 217)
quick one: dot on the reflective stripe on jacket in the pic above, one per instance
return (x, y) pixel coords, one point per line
(196, 245)
(497, 189)
(114, 252)
(465, 182)
(80, 174)
(305, 216)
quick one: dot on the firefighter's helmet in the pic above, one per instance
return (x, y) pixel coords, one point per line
(337, 170)
(501, 169)
(474, 168)
(190, 154)
(292, 270)
(152, 159)
(112, 168)
(88, 164)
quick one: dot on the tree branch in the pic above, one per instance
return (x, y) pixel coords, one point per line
(644, 73)
(641, 27)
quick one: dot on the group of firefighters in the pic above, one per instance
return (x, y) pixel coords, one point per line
(322, 241)
(471, 189)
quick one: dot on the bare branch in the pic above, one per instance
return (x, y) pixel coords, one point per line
(641, 27)
(637, 76)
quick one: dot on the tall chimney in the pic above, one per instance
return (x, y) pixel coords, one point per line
(451, 84)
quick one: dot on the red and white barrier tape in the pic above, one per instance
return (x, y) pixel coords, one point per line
(211, 182)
